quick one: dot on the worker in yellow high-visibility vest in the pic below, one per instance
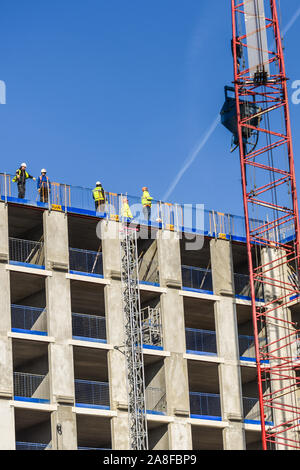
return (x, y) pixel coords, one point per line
(147, 203)
(99, 197)
(21, 176)
(125, 211)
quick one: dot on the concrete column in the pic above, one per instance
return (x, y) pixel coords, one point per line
(59, 320)
(7, 429)
(177, 388)
(63, 428)
(117, 371)
(227, 343)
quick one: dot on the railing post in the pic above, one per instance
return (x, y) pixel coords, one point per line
(5, 189)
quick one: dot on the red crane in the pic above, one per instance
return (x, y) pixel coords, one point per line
(262, 131)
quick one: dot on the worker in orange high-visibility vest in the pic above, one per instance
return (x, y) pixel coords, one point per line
(44, 186)
(146, 203)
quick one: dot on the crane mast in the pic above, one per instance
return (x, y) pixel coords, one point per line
(262, 132)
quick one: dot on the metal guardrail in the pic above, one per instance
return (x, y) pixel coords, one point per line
(197, 278)
(201, 340)
(27, 318)
(26, 251)
(88, 326)
(209, 404)
(92, 393)
(180, 217)
(205, 404)
(86, 261)
(205, 341)
(188, 218)
(152, 327)
(33, 386)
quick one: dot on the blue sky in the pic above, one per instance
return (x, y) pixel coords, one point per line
(124, 92)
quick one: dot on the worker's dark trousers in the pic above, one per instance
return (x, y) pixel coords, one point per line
(21, 191)
(100, 206)
(147, 212)
(44, 195)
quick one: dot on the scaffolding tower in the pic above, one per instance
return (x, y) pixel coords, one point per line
(133, 340)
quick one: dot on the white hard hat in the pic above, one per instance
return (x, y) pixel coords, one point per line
(98, 183)
(24, 164)
(43, 170)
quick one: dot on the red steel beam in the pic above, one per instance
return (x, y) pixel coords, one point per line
(273, 97)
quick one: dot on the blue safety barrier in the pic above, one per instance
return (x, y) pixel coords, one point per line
(205, 406)
(88, 327)
(92, 394)
(200, 341)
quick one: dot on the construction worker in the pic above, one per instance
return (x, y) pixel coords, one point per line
(99, 197)
(44, 186)
(20, 179)
(125, 211)
(147, 203)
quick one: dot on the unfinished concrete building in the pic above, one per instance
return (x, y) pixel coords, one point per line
(63, 373)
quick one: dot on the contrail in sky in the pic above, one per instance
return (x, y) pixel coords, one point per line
(191, 158)
(193, 155)
(291, 22)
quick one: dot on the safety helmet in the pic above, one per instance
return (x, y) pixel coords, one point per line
(43, 170)
(144, 188)
(98, 183)
(23, 164)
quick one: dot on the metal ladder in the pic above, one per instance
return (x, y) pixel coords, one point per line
(133, 339)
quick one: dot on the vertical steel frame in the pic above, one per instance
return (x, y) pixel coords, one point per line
(133, 340)
(273, 196)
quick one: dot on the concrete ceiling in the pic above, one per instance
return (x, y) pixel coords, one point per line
(240, 258)
(150, 359)
(203, 377)
(199, 313)
(253, 440)
(199, 257)
(248, 374)
(87, 298)
(148, 296)
(90, 364)
(30, 356)
(25, 419)
(244, 313)
(82, 232)
(24, 286)
(93, 431)
(206, 438)
(25, 223)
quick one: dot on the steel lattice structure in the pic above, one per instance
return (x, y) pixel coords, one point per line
(133, 340)
(270, 197)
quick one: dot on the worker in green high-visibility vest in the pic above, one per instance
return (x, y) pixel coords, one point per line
(147, 203)
(99, 197)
